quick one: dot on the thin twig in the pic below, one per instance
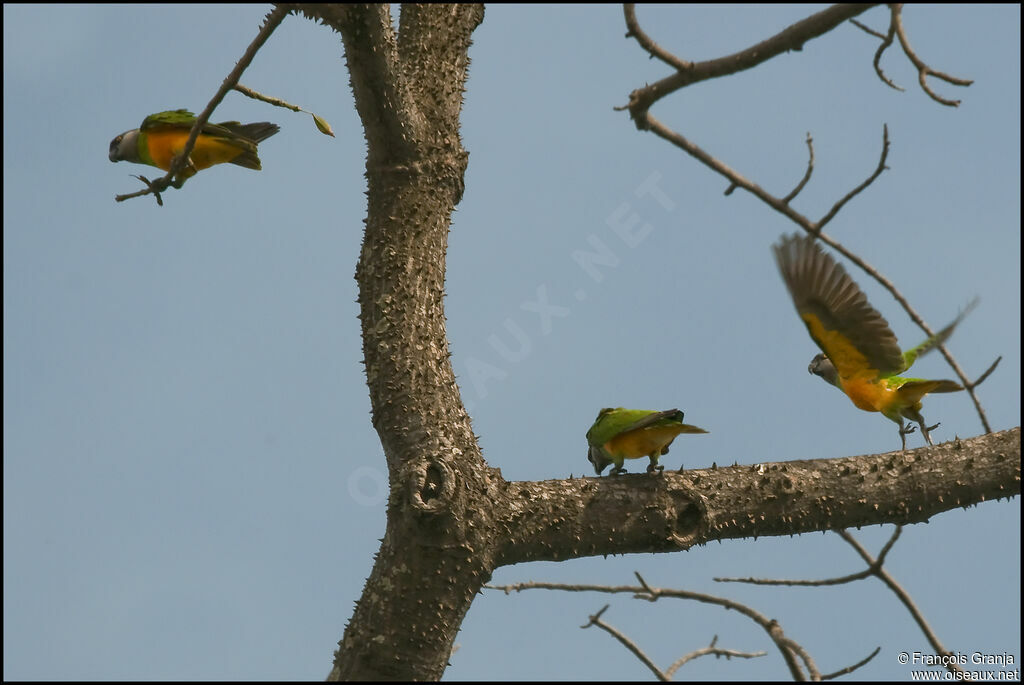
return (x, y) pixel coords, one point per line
(595, 620)
(867, 29)
(886, 42)
(713, 650)
(634, 30)
(853, 667)
(807, 174)
(860, 575)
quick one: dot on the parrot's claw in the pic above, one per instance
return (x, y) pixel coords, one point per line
(616, 470)
(909, 428)
(926, 430)
(651, 468)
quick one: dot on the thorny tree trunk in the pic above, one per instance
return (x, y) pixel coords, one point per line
(451, 520)
(408, 92)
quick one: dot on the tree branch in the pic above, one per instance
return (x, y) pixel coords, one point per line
(563, 519)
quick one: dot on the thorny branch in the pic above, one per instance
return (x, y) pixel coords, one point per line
(792, 38)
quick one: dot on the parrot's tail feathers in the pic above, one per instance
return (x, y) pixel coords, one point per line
(250, 135)
(687, 428)
(249, 160)
(912, 355)
(258, 132)
(948, 386)
(913, 390)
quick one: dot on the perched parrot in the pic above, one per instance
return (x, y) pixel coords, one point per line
(162, 137)
(860, 354)
(620, 434)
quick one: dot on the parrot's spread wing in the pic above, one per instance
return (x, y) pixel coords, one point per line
(854, 336)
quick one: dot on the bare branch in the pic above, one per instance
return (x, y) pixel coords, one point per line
(595, 620)
(150, 188)
(923, 70)
(710, 649)
(868, 181)
(875, 568)
(896, 29)
(647, 43)
(870, 570)
(812, 668)
(789, 649)
(867, 29)
(898, 590)
(807, 174)
(853, 667)
(790, 38)
(886, 42)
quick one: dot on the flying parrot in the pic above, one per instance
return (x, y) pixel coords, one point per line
(860, 356)
(619, 434)
(162, 137)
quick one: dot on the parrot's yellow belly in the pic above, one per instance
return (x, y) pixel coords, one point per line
(869, 395)
(164, 146)
(643, 442)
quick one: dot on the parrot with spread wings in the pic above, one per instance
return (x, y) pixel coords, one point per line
(860, 354)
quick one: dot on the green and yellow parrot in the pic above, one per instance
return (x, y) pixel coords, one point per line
(619, 434)
(162, 137)
(860, 356)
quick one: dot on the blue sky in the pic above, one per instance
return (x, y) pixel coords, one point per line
(192, 486)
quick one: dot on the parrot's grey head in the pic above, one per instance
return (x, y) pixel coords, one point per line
(823, 366)
(598, 458)
(125, 147)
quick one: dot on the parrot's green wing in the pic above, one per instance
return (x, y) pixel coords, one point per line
(177, 118)
(851, 333)
(911, 355)
(182, 119)
(611, 422)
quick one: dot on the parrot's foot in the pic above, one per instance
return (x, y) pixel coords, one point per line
(616, 470)
(905, 430)
(651, 468)
(925, 430)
